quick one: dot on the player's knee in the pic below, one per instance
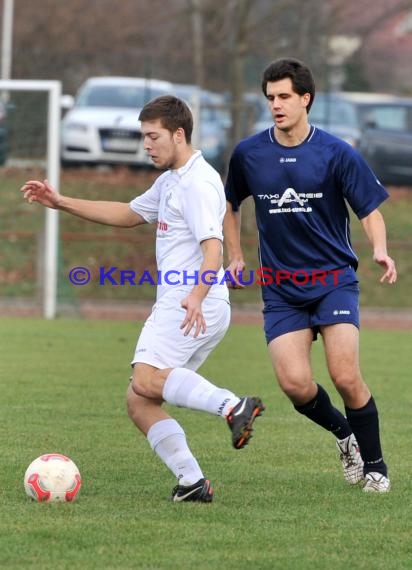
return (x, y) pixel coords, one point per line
(130, 401)
(347, 384)
(135, 404)
(140, 385)
(296, 389)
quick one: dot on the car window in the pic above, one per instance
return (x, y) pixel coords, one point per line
(330, 111)
(208, 114)
(389, 117)
(123, 96)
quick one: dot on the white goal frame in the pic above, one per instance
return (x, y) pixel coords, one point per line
(51, 226)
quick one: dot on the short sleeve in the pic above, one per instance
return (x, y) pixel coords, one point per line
(147, 204)
(236, 188)
(361, 188)
(204, 208)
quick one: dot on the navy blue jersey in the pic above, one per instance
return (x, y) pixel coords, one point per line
(301, 195)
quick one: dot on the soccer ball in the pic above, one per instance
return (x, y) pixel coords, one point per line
(52, 477)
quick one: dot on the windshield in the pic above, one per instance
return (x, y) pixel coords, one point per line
(121, 96)
(329, 111)
(388, 117)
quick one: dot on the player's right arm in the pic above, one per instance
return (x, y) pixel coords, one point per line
(231, 232)
(109, 213)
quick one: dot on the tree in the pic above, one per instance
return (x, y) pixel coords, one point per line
(222, 46)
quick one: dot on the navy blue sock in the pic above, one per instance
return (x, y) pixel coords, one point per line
(365, 425)
(321, 411)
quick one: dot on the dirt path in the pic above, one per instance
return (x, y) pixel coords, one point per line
(379, 319)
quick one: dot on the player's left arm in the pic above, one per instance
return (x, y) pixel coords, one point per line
(375, 229)
(212, 250)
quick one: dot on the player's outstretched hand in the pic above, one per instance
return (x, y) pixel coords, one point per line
(235, 269)
(41, 192)
(388, 264)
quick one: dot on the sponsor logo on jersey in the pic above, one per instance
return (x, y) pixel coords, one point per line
(291, 201)
(162, 226)
(290, 195)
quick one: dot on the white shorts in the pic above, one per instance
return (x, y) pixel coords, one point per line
(162, 343)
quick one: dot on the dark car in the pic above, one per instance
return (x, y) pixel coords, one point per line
(380, 126)
(4, 133)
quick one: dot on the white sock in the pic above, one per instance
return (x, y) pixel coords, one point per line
(168, 441)
(187, 389)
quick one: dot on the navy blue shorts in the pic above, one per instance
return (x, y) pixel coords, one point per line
(337, 306)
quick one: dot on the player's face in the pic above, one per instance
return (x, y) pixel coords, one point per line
(160, 144)
(287, 107)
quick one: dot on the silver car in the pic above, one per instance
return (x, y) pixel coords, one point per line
(102, 126)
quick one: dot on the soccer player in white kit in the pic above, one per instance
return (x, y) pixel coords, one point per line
(192, 312)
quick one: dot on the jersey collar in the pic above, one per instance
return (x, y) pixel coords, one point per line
(183, 169)
(307, 139)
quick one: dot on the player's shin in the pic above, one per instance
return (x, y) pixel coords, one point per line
(321, 411)
(365, 425)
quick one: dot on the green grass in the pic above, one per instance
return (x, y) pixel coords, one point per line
(281, 503)
(94, 246)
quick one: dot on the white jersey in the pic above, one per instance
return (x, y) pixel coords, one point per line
(188, 205)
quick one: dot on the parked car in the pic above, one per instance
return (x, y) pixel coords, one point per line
(255, 110)
(380, 126)
(263, 117)
(103, 126)
(4, 133)
(211, 121)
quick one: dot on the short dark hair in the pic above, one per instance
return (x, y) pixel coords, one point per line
(299, 73)
(172, 112)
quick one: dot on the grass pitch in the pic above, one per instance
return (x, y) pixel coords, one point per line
(281, 503)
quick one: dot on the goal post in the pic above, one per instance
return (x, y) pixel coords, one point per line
(51, 226)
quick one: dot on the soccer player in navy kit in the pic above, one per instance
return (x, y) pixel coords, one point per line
(301, 178)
